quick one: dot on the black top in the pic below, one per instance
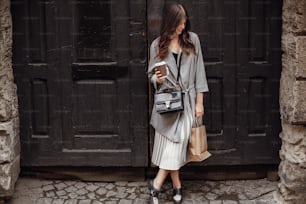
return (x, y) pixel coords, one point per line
(175, 56)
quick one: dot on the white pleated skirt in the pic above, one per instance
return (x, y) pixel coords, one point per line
(172, 155)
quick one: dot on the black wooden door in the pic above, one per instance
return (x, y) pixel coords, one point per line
(257, 77)
(80, 67)
(242, 53)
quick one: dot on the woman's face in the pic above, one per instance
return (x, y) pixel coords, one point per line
(179, 29)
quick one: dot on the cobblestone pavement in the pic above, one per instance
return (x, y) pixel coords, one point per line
(38, 191)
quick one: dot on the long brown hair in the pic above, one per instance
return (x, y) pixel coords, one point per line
(172, 17)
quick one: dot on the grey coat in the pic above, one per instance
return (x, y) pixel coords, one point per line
(192, 80)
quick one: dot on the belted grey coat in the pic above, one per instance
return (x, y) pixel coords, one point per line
(192, 80)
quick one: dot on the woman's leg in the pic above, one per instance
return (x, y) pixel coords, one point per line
(160, 178)
(175, 177)
(177, 188)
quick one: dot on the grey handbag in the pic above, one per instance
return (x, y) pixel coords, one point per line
(170, 100)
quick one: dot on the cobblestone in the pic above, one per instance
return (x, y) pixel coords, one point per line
(96, 202)
(58, 201)
(91, 196)
(71, 189)
(101, 191)
(82, 191)
(60, 186)
(37, 191)
(85, 202)
(91, 187)
(72, 201)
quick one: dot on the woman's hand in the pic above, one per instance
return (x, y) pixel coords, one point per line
(199, 110)
(159, 78)
(199, 107)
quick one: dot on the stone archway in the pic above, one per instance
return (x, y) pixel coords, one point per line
(9, 120)
(292, 169)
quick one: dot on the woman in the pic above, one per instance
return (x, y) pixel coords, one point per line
(177, 46)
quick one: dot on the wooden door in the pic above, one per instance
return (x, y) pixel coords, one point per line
(80, 72)
(242, 54)
(257, 77)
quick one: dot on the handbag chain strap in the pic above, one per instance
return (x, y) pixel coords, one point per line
(179, 70)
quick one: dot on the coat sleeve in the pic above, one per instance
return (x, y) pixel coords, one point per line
(152, 61)
(200, 78)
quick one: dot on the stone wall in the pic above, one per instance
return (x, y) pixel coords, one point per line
(9, 121)
(292, 169)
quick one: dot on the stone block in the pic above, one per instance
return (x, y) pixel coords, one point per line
(4, 6)
(293, 134)
(4, 111)
(8, 176)
(293, 100)
(289, 62)
(9, 101)
(286, 96)
(294, 16)
(5, 38)
(9, 140)
(292, 184)
(295, 153)
(283, 199)
(293, 58)
(7, 90)
(299, 102)
(300, 71)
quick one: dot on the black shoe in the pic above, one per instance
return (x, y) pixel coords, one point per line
(154, 193)
(177, 195)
